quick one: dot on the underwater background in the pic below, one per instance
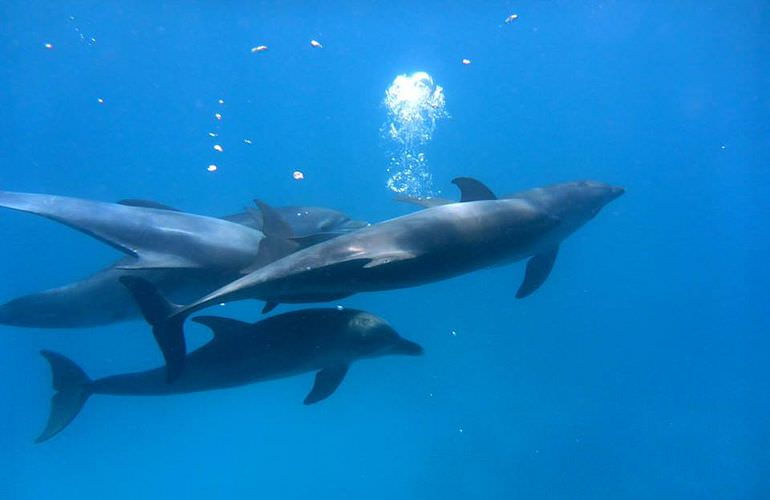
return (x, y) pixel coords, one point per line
(639, 370)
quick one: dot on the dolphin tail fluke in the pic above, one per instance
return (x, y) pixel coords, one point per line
(73, 387)
(167, 326)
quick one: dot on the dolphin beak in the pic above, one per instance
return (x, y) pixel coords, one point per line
(617, 191)
(408, 348)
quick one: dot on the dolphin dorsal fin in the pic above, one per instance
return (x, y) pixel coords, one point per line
(222, 327)
(472, 189)
(147, 204)
(272, 223)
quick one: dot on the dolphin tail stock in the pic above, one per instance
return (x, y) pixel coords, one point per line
(167, 325)
(73, 388)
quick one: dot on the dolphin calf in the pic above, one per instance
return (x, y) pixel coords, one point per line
(101, 299)
(326, 341)
(430, 245)
(307, 223)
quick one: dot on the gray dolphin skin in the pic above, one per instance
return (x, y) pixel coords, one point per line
(430, 245)
(325, 341)
(153, 238)
(100, 298)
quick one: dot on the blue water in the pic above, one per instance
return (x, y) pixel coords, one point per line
(639, 370)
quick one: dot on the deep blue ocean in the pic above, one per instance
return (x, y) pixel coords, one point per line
(638, 370)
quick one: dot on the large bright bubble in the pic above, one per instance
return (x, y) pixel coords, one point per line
(414, 103)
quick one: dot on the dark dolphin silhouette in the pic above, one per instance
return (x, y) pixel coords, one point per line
(430, 245)
(326, 341)
(101, 299)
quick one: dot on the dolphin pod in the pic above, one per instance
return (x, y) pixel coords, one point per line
(280, 255)
(230, 244)
(326, 341)
(437, 243)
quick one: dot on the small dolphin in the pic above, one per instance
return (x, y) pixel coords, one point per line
(323, 340)
(307, 223)
(101, 299)
(431, 245)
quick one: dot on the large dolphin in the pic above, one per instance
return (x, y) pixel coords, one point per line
(101, 299)
(323, 340)
(430, 245)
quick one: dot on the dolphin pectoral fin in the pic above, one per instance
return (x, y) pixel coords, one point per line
(147, 204)
(423, 202)
(326, 382)
(538, 269)
(269, 306)
(389, 258)
(473, 190)
(166, 324)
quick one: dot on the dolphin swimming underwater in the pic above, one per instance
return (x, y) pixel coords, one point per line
(101, 299)
(323, 340)
(430, 245)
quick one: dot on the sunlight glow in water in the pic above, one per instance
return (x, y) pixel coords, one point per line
(414, 103)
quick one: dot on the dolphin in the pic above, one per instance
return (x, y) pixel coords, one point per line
(153, 238)
(100, 298)
(326, 341)
(426, 246)
(574, 203)
(307, 223)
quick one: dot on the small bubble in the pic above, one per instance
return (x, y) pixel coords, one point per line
(247, 141)
(511, 18)
(466, 61)
(258, 48)
(297, 175)
(48, 45)
(218, 147)
(213, 134)
(316, 44)
(453, 333)
(221, 101)
(212, 168)
(100, 100)
(217, 116)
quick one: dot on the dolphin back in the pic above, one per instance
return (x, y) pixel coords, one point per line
(156, 238)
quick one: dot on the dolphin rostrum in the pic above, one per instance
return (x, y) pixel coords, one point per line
(430, 245)
(326, 341)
